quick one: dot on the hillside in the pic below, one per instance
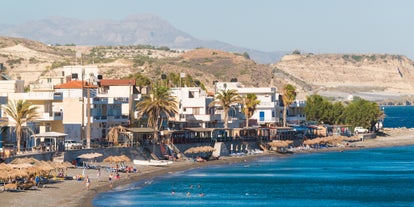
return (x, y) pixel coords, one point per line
(29, 60)
(380, 76)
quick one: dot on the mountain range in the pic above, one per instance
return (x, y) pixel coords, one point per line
(142, 29)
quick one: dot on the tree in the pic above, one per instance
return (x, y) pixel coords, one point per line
(317, 108)
(157, 106)
(362, 113)
(21, 112)
(249, 106)
(225, 99)
(288, 96)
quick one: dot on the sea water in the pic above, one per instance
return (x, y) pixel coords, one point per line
(398, 116)
(367, 177)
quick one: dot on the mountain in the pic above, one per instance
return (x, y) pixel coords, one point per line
(143, 29)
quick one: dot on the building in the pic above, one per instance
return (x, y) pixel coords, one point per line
(267, 112)
(193, 108)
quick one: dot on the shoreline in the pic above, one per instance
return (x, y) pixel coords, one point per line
(71, 193)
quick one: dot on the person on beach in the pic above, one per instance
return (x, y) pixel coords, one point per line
(98, 174)
(110, 180)
(87, 182)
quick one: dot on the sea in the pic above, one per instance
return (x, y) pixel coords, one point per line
(366, 177)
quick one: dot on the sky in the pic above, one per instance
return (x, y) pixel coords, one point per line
(314, 26)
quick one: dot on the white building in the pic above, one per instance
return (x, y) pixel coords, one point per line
(192, 108)
(267, 112)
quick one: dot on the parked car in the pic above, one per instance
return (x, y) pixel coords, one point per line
(360, 130)
(94, 143)
(72, 144)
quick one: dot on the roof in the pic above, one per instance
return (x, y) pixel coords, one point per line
(117, 82)
(50, 134)
(200, 129)
(141, 130)
(75, 84)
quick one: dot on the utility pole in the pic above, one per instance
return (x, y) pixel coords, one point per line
(88, 127)
(83, 106)
(130, 102)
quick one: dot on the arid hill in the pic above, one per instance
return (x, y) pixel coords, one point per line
(29, 60)
(378, 75)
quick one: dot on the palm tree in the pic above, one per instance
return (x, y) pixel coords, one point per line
(226, 98)
(288, 96)
(249, 106)
(157, 106)
(21, 112)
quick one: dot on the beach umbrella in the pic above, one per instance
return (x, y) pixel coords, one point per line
(4, 175)
(194, 150)
(90, 155)
(4, 166)
(29, 160)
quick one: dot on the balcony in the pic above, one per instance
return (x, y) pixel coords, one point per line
(53, 96)
(51, 116)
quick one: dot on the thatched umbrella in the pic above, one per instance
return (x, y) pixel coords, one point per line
(4, 166)
(121, 158)
(90, 155)
(194, 150)
(4, 175)
(29, 160)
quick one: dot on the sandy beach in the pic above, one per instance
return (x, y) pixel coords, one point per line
(71, 193)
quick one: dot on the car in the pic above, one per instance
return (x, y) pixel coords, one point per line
(360, 130)
(72, 144)
(94, 143)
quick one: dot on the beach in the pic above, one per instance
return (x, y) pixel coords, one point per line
(73, 193)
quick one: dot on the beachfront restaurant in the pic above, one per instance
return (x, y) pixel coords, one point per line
(141, 136)
(47, 141)
(192, 135)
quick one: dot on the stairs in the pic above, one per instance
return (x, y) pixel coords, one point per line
(59, 157)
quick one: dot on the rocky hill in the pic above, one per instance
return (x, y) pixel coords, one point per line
(372, 76)
(384, 78)
(29, 60)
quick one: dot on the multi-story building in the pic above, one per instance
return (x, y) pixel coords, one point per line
(193, 108)
(267, 112)
(89, 109)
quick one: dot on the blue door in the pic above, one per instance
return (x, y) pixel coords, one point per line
(262, 116)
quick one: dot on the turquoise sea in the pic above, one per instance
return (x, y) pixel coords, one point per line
(367, 177)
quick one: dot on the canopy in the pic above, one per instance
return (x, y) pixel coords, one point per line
(50, 134)
(90, 155)
(194, 150)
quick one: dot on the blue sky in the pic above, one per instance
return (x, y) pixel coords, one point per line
(317, 26)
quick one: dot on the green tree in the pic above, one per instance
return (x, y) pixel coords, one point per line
(225, 99)
(250, 103)
(317, 108)
(21, 112)
(362, 113)
(156, 107)
(337, 113)
(288, 96)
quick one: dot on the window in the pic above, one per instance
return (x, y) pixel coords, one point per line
(196, 111)
(191, 94)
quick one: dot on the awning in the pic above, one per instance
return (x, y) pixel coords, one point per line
(200, 129)
(50, 134)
